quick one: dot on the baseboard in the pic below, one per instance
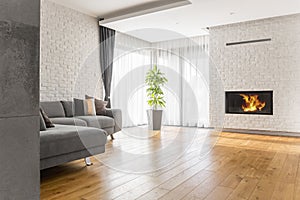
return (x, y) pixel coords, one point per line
(262, 132)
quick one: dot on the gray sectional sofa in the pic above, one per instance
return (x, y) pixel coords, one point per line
(75, 137)
(62, 112)
(65, 143)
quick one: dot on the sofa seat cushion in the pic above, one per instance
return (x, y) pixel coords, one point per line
(98, 121)
(69, 121)
(64, 139)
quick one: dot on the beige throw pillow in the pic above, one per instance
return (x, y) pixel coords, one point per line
(99, 104)
(90, 107)
(84, 107)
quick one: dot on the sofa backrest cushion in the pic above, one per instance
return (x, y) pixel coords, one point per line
(69, 108)
(53, 108)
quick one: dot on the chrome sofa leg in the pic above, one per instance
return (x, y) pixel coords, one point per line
(112, 137)
(88, 161)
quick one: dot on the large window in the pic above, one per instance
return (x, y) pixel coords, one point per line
(185, 63)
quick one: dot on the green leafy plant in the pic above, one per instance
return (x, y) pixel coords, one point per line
(155, 79)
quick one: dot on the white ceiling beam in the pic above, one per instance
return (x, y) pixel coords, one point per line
(143, 9)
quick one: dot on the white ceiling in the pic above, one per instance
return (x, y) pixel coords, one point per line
(97, 8)
(189, 20)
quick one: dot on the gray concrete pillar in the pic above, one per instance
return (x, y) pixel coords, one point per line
(19, 99)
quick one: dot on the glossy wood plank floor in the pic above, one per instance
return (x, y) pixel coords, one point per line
(239, 166)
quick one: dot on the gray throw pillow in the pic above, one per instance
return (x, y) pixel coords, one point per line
(69, 108)
(42, 123)
(84, 107)
(79, 107)
(99, 104)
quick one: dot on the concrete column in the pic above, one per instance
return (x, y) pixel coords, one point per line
(19, 99)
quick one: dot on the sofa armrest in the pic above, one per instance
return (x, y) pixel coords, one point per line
(117, 115)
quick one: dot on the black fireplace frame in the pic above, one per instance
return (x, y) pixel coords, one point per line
(250, 113)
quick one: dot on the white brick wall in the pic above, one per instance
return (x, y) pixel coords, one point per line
(271, 65)
(69, 54)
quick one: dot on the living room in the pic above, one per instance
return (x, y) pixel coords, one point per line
(169, 99)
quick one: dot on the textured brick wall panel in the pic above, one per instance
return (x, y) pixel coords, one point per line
(69, 54)
(271, 65)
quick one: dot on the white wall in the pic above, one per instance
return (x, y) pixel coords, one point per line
(70, 65)
(271, 65)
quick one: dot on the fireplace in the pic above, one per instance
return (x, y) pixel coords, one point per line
(249, 102)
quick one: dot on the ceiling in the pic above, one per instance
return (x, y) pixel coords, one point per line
(97, 8)
(185, 20)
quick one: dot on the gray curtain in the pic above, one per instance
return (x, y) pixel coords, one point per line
(107, 45)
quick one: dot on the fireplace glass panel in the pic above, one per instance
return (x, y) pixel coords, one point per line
(249, 102)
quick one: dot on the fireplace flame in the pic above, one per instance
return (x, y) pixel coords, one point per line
(252, 103)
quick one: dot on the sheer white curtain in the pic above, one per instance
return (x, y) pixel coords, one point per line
(132, 60)
(185, 63)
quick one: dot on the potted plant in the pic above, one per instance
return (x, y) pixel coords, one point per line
(155, 79)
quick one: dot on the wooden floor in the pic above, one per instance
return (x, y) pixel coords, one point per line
(225, 166)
